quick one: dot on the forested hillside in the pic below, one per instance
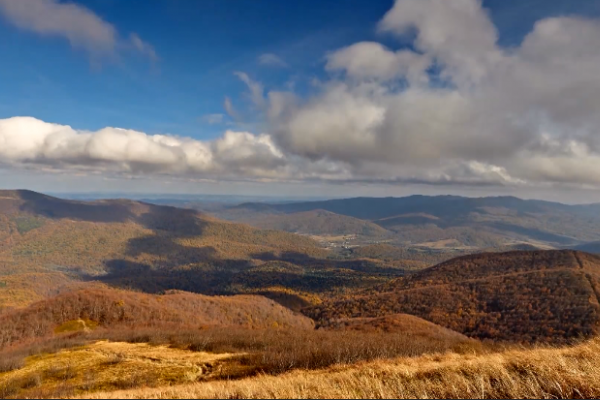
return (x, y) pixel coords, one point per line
(517, 296)
(47, 245)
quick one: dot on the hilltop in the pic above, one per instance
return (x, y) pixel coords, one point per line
(515, 296)
(400, 324)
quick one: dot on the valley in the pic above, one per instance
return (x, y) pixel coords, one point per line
(248, 199)
(439, 222)
(127, 298)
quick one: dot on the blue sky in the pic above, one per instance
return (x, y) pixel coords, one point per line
(200, 45)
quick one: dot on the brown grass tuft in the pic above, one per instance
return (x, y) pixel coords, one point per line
(537, 373)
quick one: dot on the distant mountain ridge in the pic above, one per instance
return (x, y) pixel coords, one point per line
(480, 222)
(375, 208)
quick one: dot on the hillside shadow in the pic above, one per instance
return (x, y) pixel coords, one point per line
(143, 277)
(306, 261)
(178, 221)
(54, 208)
(200, 270)
(172, 253)
(169, 258)
(207, 277)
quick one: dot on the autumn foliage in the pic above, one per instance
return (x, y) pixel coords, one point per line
(111, 308)
(518, 296)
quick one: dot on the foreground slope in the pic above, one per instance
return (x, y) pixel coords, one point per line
(516, 296)
(564, 373)
(150, 347)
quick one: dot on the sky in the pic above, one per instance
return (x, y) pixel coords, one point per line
(331, 98)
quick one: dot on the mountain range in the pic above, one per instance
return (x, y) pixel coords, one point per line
(434, 222)
(119, 294)
(51, 246)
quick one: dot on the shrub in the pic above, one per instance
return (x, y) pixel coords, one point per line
(11, 362)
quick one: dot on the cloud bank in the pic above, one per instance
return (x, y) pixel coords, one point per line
(454, 108)
(80, 26)
(29, 142)
(458, 108)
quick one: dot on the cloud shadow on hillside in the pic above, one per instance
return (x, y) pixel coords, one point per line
(179, 221)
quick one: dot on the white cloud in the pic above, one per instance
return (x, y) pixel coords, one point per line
(143, 47)
(458, 33)
(456, 109)
(372, 60)
(80, 26)
(230, 109)
(213, 119)
(271, 60)
(29, 142)
(486, 115)
(257, 91)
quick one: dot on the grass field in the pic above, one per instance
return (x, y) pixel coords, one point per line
(570, 372)
(109, 366)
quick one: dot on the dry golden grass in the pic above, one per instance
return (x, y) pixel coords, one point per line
(109, 366)
(570, 372)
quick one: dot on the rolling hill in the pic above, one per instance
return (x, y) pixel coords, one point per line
(48, 244)
(112, 308)
(400, 324)
(516, 296)
(103, 339)
(314, 222)
(472, 222)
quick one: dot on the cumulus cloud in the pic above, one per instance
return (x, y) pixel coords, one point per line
(372, 60)
(80, 26)
(454, 107)
(458, 108)
(271, 60)
(26, 141)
